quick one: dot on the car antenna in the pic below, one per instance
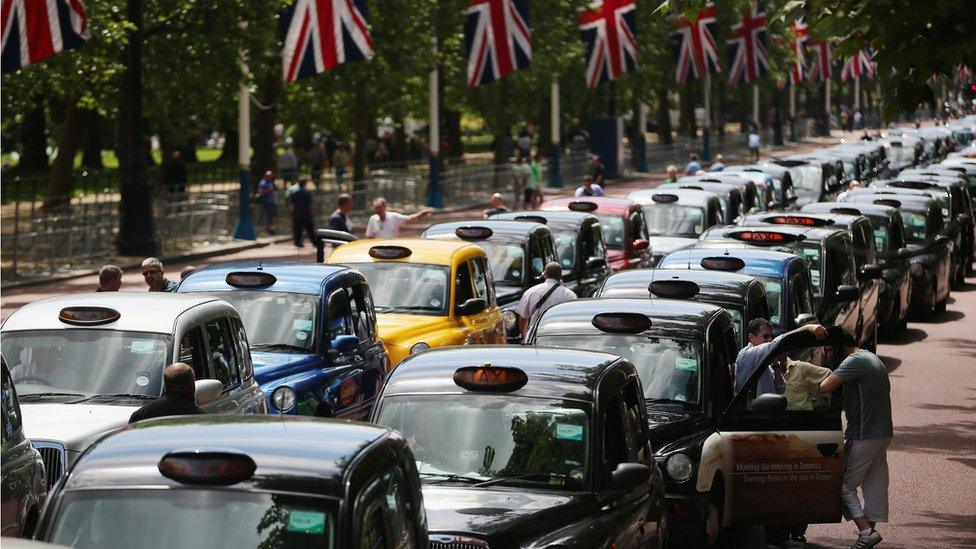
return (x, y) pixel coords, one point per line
(260, 265)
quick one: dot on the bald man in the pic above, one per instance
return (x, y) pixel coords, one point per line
(177, 400)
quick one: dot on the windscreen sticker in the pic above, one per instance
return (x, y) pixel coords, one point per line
(815, 277)
(686, 364)
(773, 287)
(142, 381)
(810, 252)
(568, 431)
(302, 325)
(879, 239)
(143, 346)
(301, 336)
(306, 522)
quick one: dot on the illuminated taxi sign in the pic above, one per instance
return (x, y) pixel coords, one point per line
(723, 264)
(88, 316)
(674, 289)
(495, 379)
(532, 218)
(802, 220)
(583, 206)
(250, 280)
(621, 323)
(845, 211)
(665, 198)
(473, 233)
(888, 202)
(389, 252)
(218, 467)
(764, 237)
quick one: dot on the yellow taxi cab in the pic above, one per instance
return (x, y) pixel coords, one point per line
(427, 293)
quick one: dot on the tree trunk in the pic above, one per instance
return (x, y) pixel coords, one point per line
(664, 117)
(91, 154)
(34, 139)
(688, 122)
(399, 152)
(264, 121)
(189, 150)
(228, 153)
(61, 184)
(361, 112)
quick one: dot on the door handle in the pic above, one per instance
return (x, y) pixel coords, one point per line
(828, 449)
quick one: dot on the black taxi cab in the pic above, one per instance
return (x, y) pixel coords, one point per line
(676, 217)
(215, 481)
(580, 246)
(744, 297)
(624, 227)
(528, 447)
(517, 251)
(746, 186)
(729, 196)
(892, 256)
(844, 296)
(814, 180)
(704, 442)
(784, 196)
(24, 483)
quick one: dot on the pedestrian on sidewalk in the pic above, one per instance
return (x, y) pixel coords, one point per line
(266, 190)
(109, 279)
(288, 165)
(339, 220)
(523, 173)
(718, 165)
(174, 174)
(301, 214)
(867, 406)
(754, 142)
(524, 143)
(589, 188)
(599, 172)
(340, 160)
(536, 181)
(152, 273)
(497, 206)
(539, 298)
(316, 162)
(386, 224)
(672, 176)
(693, 166)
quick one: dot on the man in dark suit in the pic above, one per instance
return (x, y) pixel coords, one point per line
(178, 398)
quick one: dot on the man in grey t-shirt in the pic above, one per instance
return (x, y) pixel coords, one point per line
(867, 405)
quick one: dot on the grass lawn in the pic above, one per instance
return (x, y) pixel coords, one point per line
(111, 162)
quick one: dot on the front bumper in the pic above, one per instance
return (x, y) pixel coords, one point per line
(686, 518)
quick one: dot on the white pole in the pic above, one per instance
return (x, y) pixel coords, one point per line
(435, 122)
(244, 124)
(827, 100)
(792, 101)
(857, 93)
(708, 101)
(755, 103)
(642, 118)
(554, 112)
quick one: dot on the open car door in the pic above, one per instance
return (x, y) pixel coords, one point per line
(782, 466)
(333, 237)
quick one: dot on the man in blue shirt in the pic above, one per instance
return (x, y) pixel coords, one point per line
(266, 190)
(339, 220)
(301, 213)
(693, 166)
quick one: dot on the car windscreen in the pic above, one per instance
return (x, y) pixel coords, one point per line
(674, 220)
(807, 178)
(613, 231)
(411, 288)
(519, 441)
(915, 226)
(774, 298)
(86, 362)
(276, 318)
(565, 247)
(669, 369)
(507, 262)
(109, 519)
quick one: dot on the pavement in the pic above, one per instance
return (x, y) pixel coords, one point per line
(932, 459)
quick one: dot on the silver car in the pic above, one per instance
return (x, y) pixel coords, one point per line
(83, 363)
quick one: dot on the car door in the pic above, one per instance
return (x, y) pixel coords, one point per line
(782, 467)
(224, 364)
(345, 392)
(370, 361)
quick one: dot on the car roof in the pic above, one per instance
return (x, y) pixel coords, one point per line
(759, 261)
(715, 187)
(865, 209)
(685, 196)
(910, 202)
(293, 277)
(552, 372)
(133, 308)
(292, 453)
(832, 218)
(501, 229)
(810, 234)
(669, 317)
(556, 218)
(605, 204)
(713, 285)
(424, 250)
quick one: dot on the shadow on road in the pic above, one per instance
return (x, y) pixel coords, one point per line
(947, 530)
(944, 317)
(965, 347)
(939, 438)
(906, 336)
(891, 362)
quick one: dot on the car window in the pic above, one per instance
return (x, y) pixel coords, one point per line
(339, 321)
(636, 426)
(616, 435)
(222, 353)
(358, 307)
(194, 353)
(398, 510)
(464, 287)
(539, 257)
(861, 244)
(373, 535)
(480, 279)
(599, 245)
(840, 263)
(489, 277)
(244, 353)
(11, 410)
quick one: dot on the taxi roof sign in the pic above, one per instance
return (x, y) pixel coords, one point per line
(771, 238)
(493, 379)
(674, 289)
(621, 323)
(802, 220)
(583, 206)
(846, 211)
(389, 252)
(723, 263)
(532, 218)
(665, 198)
(888, 202)
(212, 467)
(473, 233)
(242, 279)
(88, 316)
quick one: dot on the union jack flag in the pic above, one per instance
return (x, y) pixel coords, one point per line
(694, 46)
(34, 30)
(858, 65)
(749, 59)
(821, 69)
(322, 34)
(800, 35)
(608, 28)
(497, 39)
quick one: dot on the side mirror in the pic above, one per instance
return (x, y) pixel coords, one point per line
(629, 475)
(641, 244)
(962, 218)
(803, 319)
(941, 240)
(768, 403)
(472, 306)
(206, 391)
(870, 272)
(345, 343)
(847, 294)
(903, 253)
(595, 263)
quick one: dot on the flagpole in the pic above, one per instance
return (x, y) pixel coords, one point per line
(827, 103)
(244, 228)
(857, 93)
(434, 197)
(555, 176)
(792, 111)
(706, 153)
(642, 138)
(755, 104)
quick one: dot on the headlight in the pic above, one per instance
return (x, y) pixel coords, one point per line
(283, 398)
(680, 467)
(511, 320)
(419, 348)
(917, 270)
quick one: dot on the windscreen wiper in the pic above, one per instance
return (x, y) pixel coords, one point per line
(279, 346)
(499, 480)
(40, 395)
(116, 395)
(451, 477)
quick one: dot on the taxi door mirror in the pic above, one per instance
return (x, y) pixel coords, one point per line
(206, 391)
(472, 306)
(847, 294)
(870, 272)
(641, 244)
(768, 403)
(630, 475)
(941, 240)
(596, 263)
(803, 319)
(345, 343)
(903, 253)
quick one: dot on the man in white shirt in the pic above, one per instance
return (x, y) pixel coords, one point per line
(384, 224)
(537, 299)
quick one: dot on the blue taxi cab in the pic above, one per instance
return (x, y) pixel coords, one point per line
(312, 333)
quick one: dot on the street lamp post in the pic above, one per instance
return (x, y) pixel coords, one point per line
(555, 177)
(244, 229)
(434, 197)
